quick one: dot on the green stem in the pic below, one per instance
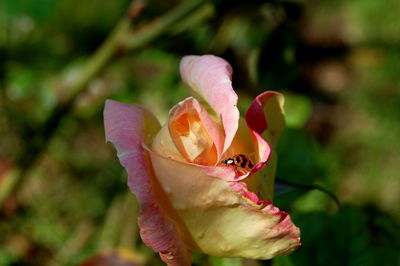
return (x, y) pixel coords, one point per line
(8, 183)
(99, 60)
(311, 187)
(158, 26)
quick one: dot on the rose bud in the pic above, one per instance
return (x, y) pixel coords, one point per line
(205, 179)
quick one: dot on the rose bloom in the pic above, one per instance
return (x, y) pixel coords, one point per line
(190, 200)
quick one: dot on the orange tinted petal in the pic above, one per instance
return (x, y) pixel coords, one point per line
(196, 136)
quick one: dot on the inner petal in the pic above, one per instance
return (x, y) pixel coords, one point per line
(194, 133)
(242, 144)
(192, 139)
(195, 141)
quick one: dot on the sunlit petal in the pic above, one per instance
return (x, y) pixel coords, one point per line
(128, 127)
(209, 78)
(223, 218)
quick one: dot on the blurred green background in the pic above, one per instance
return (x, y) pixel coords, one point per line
(63, 194)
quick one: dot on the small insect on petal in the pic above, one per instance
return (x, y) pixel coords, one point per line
(229, 161)
(239, 162)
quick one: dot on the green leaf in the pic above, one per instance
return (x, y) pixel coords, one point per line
(300, 159)
(353, 236)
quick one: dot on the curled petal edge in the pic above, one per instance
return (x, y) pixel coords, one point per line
(209, 77)
(265, 116)
(287, 228)
(127, 127)
(265, 120)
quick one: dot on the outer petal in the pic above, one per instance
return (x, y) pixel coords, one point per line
(265, 116)
(223, 218)
(210, 78)
(127, 127)
(265, 120)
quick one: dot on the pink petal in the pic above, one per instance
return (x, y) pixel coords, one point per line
(266, 121)
(224, 173)
(210, 78)
(265, 115)
(127, 127)
(264, 151)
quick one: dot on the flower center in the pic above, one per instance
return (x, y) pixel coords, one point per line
(192, 139)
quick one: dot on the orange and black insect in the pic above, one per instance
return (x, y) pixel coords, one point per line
(240, 162)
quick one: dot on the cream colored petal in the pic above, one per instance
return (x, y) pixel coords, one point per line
(165, 146)
(222, 220)
(242, 143)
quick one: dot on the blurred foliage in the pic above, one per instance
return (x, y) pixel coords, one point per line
(337, 63)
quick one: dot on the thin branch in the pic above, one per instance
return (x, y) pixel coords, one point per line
(154, 29)
(311, 187)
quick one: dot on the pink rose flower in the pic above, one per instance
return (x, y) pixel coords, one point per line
(189, 200)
